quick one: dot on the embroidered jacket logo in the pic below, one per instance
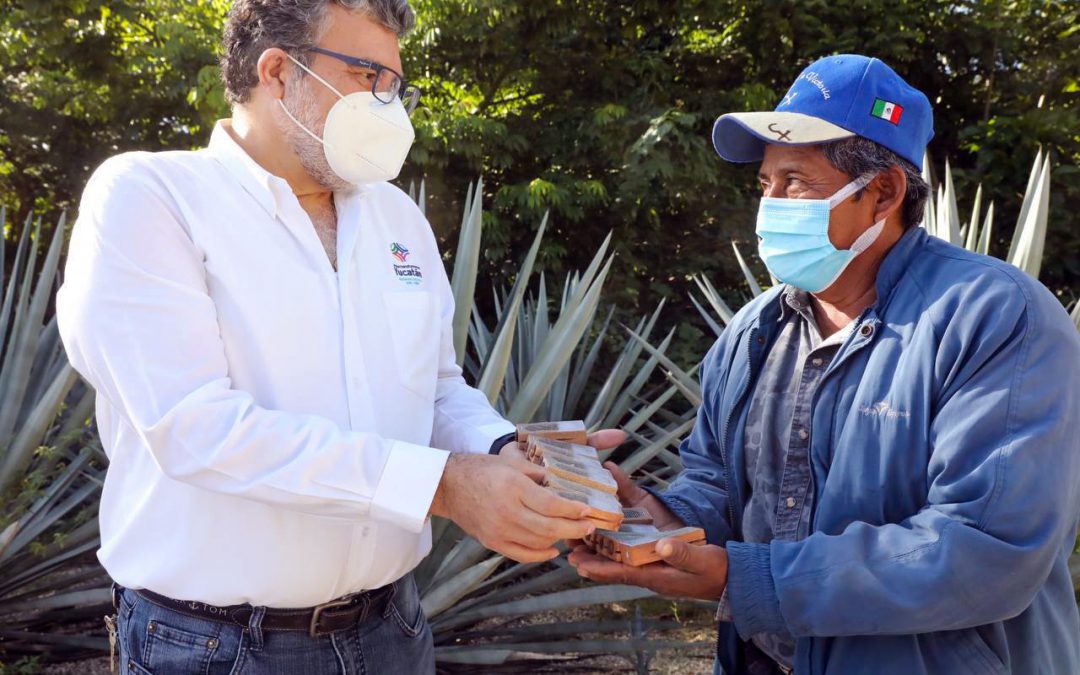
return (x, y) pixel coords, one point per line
(883, 409)
(399, 252)
(409, 275)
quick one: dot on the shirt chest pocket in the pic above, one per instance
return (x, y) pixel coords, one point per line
(414, 330)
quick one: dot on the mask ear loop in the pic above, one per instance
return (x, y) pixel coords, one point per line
(329, 86)
(850, 189)
(866, 239)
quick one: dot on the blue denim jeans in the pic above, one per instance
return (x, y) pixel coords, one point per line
(397, 640)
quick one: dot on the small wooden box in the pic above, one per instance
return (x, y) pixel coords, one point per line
(639, 548)
(605, 511)
(538, 447)
(637, 516)
(573, 431)
(588, 473)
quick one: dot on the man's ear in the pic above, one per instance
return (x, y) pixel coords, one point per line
(274, 68)
(890, 189)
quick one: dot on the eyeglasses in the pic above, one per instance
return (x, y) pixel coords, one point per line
(387, 85)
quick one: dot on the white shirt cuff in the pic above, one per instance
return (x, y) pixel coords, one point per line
(407, 486)
(489, 432)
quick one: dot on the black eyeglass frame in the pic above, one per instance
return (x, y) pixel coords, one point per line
(408, 93)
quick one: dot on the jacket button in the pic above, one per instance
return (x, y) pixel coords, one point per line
(151, 627)
(761, 339)
(867, 330)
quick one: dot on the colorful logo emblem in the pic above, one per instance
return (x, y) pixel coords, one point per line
(399, 252)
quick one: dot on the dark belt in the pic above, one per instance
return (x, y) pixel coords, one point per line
(329, 617)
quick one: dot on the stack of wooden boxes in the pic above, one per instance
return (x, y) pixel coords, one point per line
(573, 470)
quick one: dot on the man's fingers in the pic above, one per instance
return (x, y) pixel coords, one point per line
(534, 472)
(627, 490)
(553, 529)
(683, 556)
(547, 503)
(607, 439)
(523, 554)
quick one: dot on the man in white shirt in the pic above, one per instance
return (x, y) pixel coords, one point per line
(267, 325)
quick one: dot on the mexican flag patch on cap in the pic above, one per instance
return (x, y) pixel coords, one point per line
(887, 111)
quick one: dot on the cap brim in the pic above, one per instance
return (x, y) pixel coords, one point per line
(741, 137)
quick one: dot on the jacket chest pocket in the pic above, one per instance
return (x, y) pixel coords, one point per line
(415, 333)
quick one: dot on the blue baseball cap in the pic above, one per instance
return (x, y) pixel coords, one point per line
(835, 97)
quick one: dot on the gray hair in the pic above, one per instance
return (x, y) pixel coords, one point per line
(856, 156)
(254, 26)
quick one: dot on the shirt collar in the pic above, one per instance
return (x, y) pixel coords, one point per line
(266, 188)
(793, 300)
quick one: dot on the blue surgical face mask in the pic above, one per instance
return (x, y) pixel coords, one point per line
(794, 238)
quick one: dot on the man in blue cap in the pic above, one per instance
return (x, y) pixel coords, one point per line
(886, 458)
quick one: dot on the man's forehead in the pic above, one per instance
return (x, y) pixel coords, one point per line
(356, 33)
(788, 158)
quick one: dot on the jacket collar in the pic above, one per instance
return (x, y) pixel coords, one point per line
(897, 262)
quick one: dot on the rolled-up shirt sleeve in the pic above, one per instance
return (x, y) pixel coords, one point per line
(139, 325)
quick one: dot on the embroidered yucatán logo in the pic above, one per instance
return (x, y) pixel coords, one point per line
(406, 274)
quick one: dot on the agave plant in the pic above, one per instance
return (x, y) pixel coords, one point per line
(533, 363)
(50, 471)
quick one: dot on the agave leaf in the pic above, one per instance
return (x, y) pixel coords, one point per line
(544, 583)
(466, 264)
(713, 326)
(19, 355)
(1025, 206)
(550, 631)
(21, 251)
(69, 599)
(949, 212)
(621, 371)
(449, 592)
(988, 226)
(642, 456)
(568, 599)
(678, 373)
(556, 350)
(500, 653)
(713, 297)
(648, 411)
(491, 381)
(1076, 314)
(972, 241)
(584, 370)
(692, 395)
(33, 430)
(466, 553)
(622, 404)
(445, 535)
(44, 513)
(755, 290)
(1030, 237)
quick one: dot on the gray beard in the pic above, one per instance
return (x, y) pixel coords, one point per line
(300, 102)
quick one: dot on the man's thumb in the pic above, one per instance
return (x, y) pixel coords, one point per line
(680, 554)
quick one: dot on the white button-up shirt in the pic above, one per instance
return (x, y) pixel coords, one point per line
(271, 423)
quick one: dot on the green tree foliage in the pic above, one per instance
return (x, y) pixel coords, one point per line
(597, 111)
(81, 80)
